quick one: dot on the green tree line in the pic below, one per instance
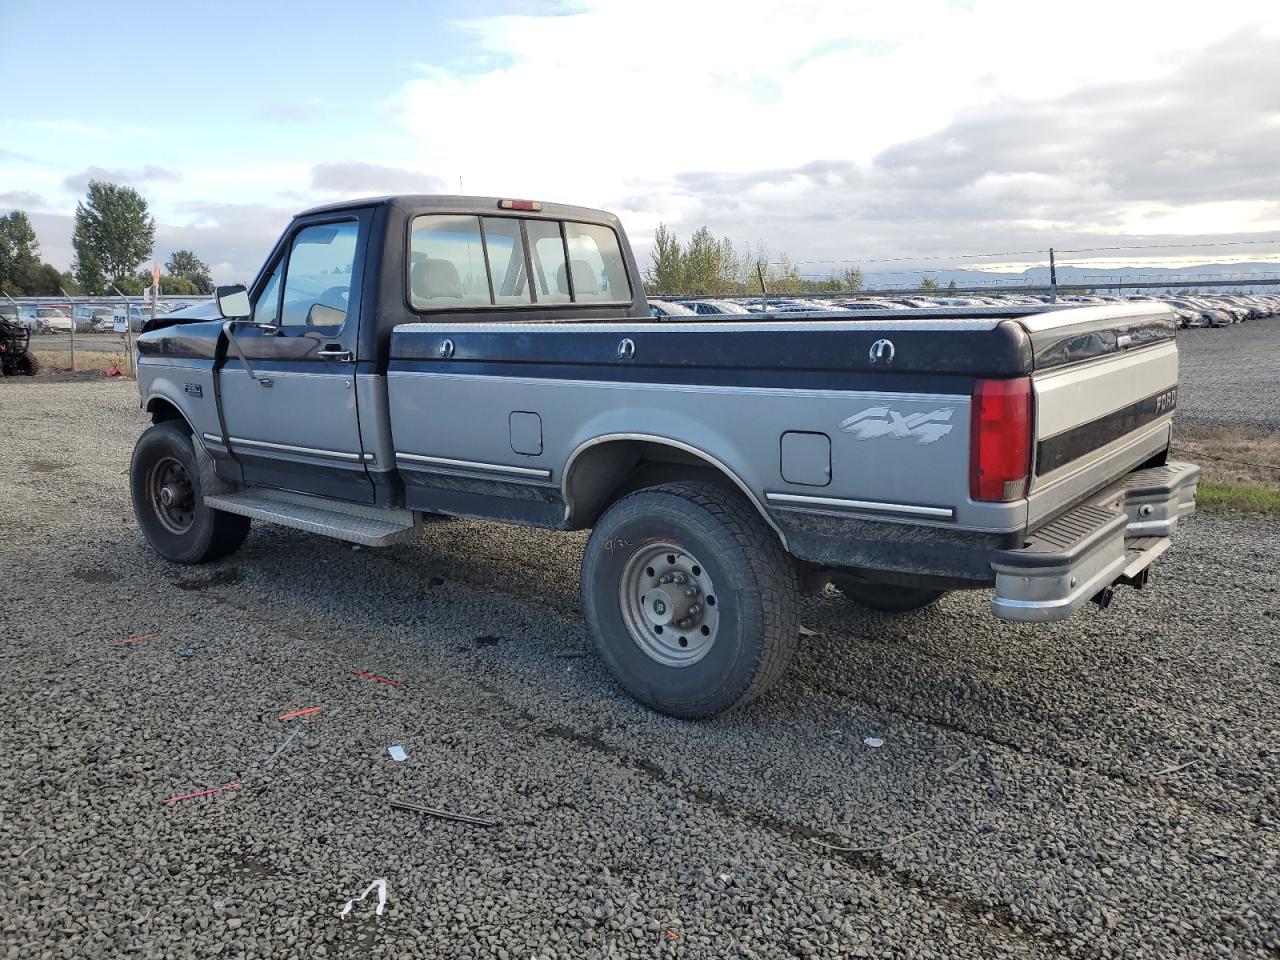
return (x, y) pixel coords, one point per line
(705, 266)
(113, 238)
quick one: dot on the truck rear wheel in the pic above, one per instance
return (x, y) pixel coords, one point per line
(885, 597)
(690, 597)
(168, 483)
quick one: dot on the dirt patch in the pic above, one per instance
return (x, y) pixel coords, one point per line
(1231, 455)
(96, 576)
(1241, 466)
(89, 362)
(45, 466)
(221, 578)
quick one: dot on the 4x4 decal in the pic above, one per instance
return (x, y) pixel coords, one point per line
(880, 421)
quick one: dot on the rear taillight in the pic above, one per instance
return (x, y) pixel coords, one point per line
(1000, 441)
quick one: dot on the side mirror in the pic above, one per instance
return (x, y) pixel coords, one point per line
(233, 302)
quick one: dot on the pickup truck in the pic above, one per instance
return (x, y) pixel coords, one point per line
(407, 357)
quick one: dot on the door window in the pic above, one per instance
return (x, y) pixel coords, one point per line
(317, 284)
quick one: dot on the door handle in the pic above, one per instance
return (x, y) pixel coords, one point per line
(333, 352)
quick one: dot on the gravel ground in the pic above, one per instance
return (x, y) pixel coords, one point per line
(1101, 788)
(1231, 376)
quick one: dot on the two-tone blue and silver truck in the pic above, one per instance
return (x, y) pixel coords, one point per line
(410, 356)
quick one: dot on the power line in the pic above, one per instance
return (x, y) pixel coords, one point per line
(1275, 241)
(1174, 246)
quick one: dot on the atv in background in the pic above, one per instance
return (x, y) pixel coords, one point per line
(15, 355)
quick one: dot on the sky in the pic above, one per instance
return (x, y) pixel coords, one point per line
(873, 132)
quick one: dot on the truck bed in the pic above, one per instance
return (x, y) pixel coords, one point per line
(849, 455)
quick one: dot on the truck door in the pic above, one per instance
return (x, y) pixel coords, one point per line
(290, 417)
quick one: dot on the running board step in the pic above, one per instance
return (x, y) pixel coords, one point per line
(355, 522)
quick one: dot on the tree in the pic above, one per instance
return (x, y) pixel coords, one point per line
(666, 274)
(185, 264)
(928, 283)
(113, 234)
(44, 281)
(851, 279)
(19, 253)
(168, 283)
(709, 265)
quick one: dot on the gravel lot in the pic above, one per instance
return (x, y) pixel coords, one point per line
(1101, 788)
(1231, 376)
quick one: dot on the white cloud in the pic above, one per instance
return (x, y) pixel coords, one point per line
(824, 128)
(73, 127)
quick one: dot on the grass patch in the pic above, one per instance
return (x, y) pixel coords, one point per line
(1230, 456)
(59, 361)
(1251, 497)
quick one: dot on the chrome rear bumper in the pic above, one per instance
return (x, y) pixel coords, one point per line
(1112, 538)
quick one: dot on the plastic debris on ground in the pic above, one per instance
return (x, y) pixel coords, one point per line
(443, 814)
(280, 749)
(138, 639)
(873, 742)
(380, 885)
(375, 678)
(304, 712)
(112, 372)
(397, 753)
(203, 793)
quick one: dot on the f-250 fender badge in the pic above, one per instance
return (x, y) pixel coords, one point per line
(880, 421)
(193, 389)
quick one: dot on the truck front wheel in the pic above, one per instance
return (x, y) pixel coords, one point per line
(885, 597)
(690, 597)
(168, 483)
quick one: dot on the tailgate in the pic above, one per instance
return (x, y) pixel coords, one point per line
(1106, 385)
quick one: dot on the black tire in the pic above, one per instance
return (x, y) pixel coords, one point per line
(756, 625)
(210, 534)
(26, 365)
(885, 597)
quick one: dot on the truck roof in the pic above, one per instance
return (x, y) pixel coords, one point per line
(449, 203)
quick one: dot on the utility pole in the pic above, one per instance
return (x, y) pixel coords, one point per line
(1053, 276)
(128, 330)
(73, 327)
(763, 288)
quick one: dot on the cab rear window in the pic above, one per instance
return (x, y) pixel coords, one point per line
(467, 261)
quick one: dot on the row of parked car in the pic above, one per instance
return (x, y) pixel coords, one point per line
(81, 317)
(1214, 310)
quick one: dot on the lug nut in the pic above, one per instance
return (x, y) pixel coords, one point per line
(694, 610)
(691, 591)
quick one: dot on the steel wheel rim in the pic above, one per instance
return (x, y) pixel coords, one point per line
(172, 496)
(669, 605)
